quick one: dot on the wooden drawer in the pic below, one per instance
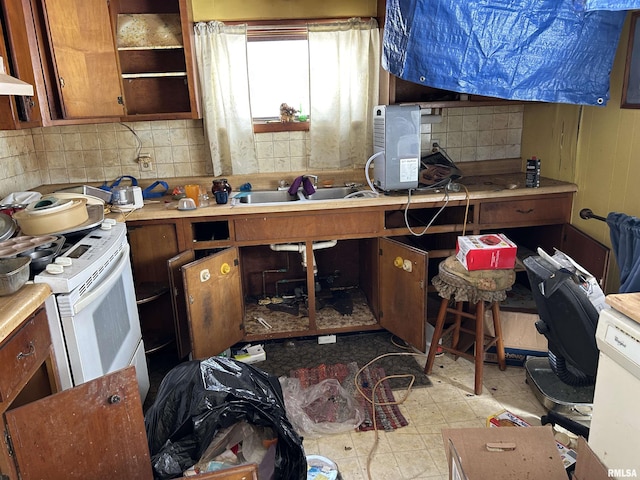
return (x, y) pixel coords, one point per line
(22, 353)
(537, 211)
(303, 227)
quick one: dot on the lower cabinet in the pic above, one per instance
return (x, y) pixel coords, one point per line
(94, 430)
(248, 279)
(152, 244)
(27, 374)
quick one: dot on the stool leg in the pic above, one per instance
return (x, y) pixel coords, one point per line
(433, 349)
(479, 346)
(497, 328)
(458, 321)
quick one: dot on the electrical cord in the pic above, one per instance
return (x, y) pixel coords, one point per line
(375, 404)
(406, 213)
(138, 141)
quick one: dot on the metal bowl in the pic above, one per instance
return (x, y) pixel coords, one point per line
(14, 273)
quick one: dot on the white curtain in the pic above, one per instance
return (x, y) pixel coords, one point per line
(221, 57)
(344, 61)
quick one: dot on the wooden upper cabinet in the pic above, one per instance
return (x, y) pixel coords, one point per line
(154, 46)
(17, 112)
(96, 61)
(84, 57)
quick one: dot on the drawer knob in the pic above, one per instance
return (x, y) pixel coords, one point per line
(113, 399)
(32, 351)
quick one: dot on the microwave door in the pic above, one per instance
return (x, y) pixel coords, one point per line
(103, 330)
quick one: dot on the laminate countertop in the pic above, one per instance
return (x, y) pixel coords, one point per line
(16, 308)
(498, 186)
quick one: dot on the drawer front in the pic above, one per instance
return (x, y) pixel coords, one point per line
(538, 211)
(22, 353)
(306, 226)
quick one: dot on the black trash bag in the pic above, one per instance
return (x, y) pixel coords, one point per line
(198, 399)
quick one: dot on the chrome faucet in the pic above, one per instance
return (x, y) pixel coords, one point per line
(315, 179)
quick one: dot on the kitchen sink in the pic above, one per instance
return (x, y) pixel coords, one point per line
(331, 193)
(266, 196)
(282, 196)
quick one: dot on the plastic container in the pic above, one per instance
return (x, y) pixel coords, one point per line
(319, 467)
(14, 273)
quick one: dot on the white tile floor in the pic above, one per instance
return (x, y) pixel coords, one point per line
(417, 450)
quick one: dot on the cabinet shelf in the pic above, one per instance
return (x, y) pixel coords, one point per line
(154, 75)
(148, 292)
(151, 47)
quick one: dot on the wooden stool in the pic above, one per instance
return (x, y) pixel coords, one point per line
(475, 288)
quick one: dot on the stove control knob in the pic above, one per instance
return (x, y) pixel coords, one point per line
(54, 268)
(64, 261)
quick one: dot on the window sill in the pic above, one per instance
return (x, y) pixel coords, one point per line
(281, 127)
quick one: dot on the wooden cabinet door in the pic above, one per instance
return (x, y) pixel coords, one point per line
(587, 251)
(403, 291)
(84, 58)
(95, 430)
(178, 301)
(213, 291)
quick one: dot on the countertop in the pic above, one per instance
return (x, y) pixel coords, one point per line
(479, 187)
(16, 308)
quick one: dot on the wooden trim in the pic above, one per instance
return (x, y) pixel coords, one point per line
(634, 101)
(281, 127)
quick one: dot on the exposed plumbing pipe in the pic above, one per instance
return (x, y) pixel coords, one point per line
(301, 248)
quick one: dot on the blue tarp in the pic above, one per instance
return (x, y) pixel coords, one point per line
(591, 5)
(540, 50)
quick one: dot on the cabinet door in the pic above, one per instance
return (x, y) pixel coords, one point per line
(84, 57)
(403, 291)
(215, 305)
(95, 430)
(587, 251)
(176, 287)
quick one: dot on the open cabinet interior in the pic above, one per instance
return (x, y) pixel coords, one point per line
(276, 287)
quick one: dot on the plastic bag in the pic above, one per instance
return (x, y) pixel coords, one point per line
(198, 399)
(321, 409)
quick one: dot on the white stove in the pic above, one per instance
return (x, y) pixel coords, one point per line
(93, 318)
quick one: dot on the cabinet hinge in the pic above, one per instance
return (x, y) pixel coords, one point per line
(61, 82)
(380, 252)
(120, 101)
(191, 299)
(7, 440)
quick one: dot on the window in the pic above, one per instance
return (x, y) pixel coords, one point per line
(278, 64)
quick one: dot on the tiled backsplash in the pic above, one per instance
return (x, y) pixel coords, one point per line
(99, 152)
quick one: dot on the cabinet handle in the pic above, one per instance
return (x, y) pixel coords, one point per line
(524, 211)
(32, 351)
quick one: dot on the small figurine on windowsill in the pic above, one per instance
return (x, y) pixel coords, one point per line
(287, 113)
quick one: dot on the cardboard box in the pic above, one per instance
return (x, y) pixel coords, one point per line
(520, 336)
(490, 251)
(533, 456)
(507, 419)
(514, 453)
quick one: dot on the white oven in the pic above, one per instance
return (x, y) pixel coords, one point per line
(93, 315)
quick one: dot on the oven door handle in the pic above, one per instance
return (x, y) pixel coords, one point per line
(104, 286)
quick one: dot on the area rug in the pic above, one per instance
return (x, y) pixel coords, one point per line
(387, 415)
(283, 356)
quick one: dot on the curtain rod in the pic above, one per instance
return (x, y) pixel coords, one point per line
(586, 213)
